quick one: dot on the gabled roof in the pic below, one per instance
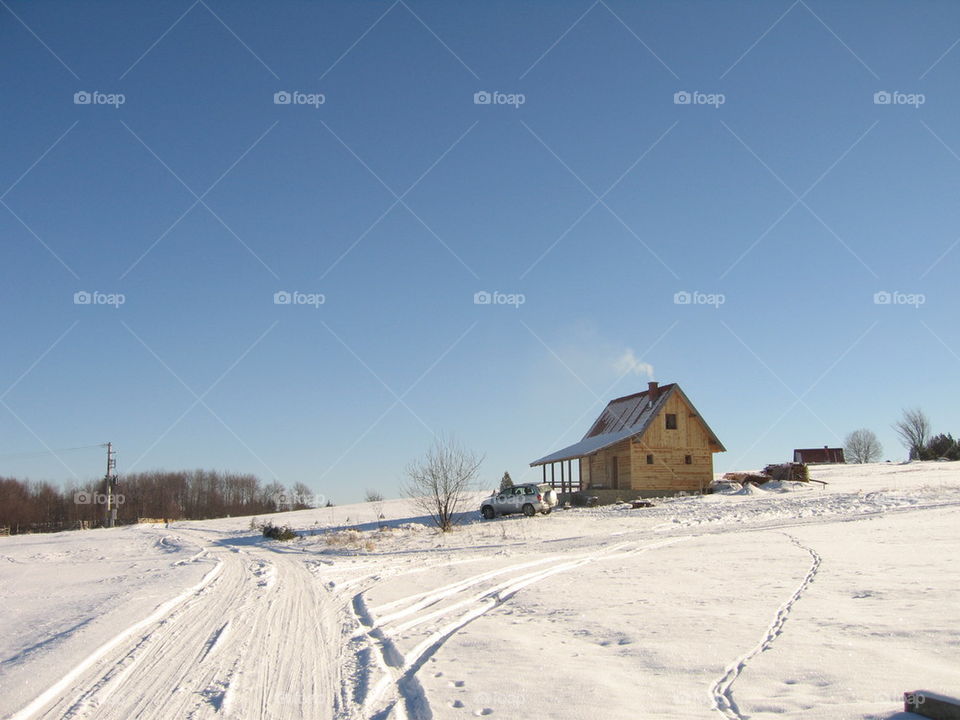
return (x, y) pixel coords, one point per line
(622, 418)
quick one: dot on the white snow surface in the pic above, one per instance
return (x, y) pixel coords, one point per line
(785, 601)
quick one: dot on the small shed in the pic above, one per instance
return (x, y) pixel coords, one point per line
(819, 456)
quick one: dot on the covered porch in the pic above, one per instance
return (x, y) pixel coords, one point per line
(565, 475)
(569, 469)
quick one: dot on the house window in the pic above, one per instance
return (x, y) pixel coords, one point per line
(649, 459)
(688, 459)
(671, 421)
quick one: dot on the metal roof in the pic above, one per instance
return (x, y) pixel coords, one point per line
(630, 411)
(587, 446)
(622, 418)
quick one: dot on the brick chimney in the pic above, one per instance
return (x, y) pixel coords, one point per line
(653, 390)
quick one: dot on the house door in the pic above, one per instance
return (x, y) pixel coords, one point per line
(614, 473)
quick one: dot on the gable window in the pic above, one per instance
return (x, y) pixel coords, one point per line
(649, 459)
(671, 421)
(688, 459)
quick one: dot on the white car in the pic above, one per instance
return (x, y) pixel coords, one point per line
(529, 499)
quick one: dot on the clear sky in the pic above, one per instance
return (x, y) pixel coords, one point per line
(782, 197)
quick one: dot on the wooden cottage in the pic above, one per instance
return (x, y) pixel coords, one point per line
(651, 443)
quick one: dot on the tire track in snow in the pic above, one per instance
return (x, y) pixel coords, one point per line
(406, 696)
(431, 597)
(214, 640)
(730, 524)
(721, 692)
(387, 658)
(224, 651)
(381, 653)
(165, 609)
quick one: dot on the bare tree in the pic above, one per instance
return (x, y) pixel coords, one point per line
(914, 431)
(440, 482)
(302, 497)
(862, 446)
(274, 496)
(375, 498)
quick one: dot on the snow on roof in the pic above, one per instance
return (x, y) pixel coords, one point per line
(622, 418)
(630, 411)
(587, 446)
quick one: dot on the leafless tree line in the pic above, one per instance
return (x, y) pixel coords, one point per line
(30, 506)
(915, 433)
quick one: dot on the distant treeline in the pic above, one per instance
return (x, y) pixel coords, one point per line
(939, 446)
(30, 506)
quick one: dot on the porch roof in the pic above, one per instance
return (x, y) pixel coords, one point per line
(587, 446)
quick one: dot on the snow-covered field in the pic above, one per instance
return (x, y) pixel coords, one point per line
(798, 601)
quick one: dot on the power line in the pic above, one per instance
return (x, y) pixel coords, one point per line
(53, 451)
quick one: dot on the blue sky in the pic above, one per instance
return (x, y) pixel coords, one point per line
(786, 187)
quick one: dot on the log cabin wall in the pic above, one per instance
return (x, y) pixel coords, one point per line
(598, 468)
(670, 449)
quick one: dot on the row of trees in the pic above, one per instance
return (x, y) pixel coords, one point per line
(914, 431)
(28, 506)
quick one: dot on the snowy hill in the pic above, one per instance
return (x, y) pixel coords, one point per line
(790, 601)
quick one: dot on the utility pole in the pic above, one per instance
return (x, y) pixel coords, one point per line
(110, 479)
